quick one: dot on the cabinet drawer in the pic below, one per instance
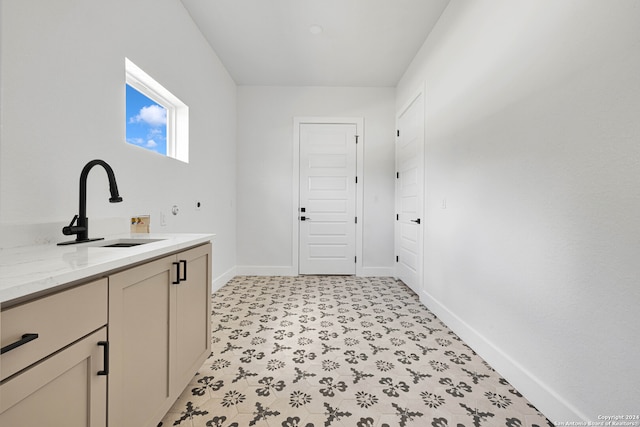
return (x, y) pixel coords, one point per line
(58, 319)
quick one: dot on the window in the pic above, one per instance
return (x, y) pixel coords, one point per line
(155, 119)
(146, 122)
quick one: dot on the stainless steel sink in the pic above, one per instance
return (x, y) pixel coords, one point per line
(123, 243)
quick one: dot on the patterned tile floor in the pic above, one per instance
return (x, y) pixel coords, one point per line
(320, 351)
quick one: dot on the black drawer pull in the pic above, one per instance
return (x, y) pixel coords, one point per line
(105, 349)
(22, 341)
(184, 269)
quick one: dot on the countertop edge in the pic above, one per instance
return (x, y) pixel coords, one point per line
(76, 266)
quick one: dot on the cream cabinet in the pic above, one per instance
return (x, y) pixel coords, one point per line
(116, 351)
(159, 334)
(54, 361)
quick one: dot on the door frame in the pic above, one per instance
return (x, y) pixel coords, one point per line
(297, 121)
(420, 91)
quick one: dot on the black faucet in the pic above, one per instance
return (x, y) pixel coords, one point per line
(82, 227)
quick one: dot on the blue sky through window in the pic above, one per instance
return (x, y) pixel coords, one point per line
(146, 122)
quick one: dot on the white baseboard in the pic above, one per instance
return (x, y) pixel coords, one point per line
(256, 270)
(377, 271)
(550, 403)
(222, 280)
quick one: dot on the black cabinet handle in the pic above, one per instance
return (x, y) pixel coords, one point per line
(177, 281)
(22, 341)
(105, 349)
(184, 269)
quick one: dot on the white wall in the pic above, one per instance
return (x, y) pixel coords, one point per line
(533, 138)
(63, 105)
(265, 170)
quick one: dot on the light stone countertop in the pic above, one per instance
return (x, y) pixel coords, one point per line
(33, 269)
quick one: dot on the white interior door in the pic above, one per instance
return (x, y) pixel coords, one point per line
(409, 194)
(327, 211)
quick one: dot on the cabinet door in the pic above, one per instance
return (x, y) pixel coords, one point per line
(64, 390)
(193, 322)
(140, 332)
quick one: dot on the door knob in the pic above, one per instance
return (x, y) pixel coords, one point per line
(417, 221)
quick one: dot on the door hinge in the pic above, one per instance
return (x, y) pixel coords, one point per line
(397, 175)
(356, 179)
(356, 220)
(357, 136)
(397, 217)
(398, 132)
(397, 258)
(355, 259)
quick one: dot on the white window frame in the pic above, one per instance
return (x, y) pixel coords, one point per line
(177, 111)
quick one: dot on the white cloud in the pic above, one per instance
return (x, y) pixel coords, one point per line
(152, 144)
(153, 115)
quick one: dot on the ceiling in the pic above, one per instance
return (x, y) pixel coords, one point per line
(270, 42)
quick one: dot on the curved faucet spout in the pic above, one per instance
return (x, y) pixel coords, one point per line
(113, 186)
(82, 227)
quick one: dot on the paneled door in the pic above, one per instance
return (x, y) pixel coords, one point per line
(327, 207)
(409, 194)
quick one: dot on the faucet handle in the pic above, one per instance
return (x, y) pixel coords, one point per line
(70, 229)
(75, 218)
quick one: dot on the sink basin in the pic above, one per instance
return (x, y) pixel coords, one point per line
(123, 243)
